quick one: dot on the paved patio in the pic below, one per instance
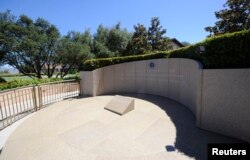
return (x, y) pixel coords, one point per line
(79, 129)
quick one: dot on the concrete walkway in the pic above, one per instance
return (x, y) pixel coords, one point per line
(80, 129)
(5, 133)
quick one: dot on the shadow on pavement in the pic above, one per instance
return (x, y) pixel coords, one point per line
(190, 140)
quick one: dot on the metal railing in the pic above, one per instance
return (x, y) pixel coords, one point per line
(19, 102)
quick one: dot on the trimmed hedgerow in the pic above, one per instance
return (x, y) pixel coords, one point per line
(93, 64)
(231, 50)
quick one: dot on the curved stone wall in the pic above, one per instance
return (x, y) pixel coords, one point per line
(218, 98)
(176, 78)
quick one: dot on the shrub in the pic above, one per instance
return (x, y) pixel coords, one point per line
(2, 80)
(75, 77)
(231, 50)
(21, 83)
(92, 64)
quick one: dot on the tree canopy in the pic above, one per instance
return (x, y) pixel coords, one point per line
(36, 48)
(118, 39)
(151, 39)
(109, 42)
(5, 19)
(70, 53)
(156, 35)
(234, 17)
(28, 45)
(139, 42)
(100, 42)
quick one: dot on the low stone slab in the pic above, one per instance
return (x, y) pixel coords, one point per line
(120, 105)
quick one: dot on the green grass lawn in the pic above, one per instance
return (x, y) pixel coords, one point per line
(16, 78)
(9, 78)
(14, 81)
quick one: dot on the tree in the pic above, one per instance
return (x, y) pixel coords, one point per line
(100, 42)
(6, 18)
(109, 42)
(156, 35)
(29, 46)
(1, 58)
(118, 39)
(101, 34)
(83, 38)
(72, 52)
(235, 17)
(101, 51)
(51, 36)
(139, 42)
(185, 43)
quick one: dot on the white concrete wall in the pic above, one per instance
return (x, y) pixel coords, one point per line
(173, 78)
(190, 85)
(108, 79)
(141, 77)
(98, 82)
(152, 77)
(130, 77)
(87, 83)
(163, 78)
(226, 102)
(219, 98)
(119, 78)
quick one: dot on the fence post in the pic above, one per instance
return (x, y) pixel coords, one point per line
(40, 97)
(2, 116)
(80, 88)
(34, 96)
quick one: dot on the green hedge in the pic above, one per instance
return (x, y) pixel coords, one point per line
(93, 64)
(231, 50)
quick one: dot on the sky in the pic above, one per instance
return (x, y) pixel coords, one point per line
(183, 19)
